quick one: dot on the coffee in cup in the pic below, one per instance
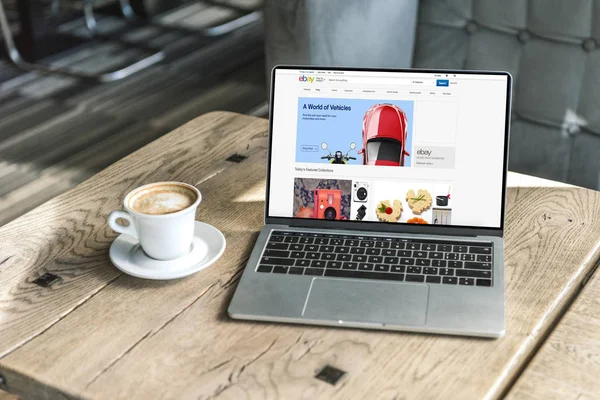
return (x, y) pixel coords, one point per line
(161, 199)
(161, 217)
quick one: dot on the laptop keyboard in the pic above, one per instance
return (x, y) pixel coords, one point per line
(369, 257)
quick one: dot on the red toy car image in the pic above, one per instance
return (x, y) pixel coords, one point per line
(384, 132)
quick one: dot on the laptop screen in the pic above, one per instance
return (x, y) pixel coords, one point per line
(392, 147)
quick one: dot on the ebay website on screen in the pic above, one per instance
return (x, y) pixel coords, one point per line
(394, 147)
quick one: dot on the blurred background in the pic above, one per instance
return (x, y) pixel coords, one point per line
(85, 82)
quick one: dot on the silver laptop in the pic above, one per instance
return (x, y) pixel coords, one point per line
(385, 202)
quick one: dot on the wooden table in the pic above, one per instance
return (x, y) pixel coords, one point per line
(96, 333)
(568, 364)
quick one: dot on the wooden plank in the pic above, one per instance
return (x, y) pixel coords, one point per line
(567, 366)
(68, 235)
(7, 396)
(106, 335)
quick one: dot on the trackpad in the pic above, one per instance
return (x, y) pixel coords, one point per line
(367, 301)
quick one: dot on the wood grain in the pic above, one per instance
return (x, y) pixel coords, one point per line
(568, 364)
(7, 396)
(101, 334)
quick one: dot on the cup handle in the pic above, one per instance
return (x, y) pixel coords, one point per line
(128, 230)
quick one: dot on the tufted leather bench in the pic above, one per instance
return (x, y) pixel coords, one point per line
(552, 49)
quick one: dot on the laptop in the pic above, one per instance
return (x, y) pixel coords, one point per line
(385, 202)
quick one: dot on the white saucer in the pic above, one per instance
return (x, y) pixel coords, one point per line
(208, 245)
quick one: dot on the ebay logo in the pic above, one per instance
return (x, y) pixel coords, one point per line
(304, 78)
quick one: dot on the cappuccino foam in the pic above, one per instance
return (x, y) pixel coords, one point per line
(162, 199)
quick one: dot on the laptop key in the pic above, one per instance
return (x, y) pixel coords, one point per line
(420, 254)
(321, 240)
(407, 261)
(365, 267)
(391, 260)
(455, 264)
(413, 270)
(388, 252)
(359, 258)
(423, 262)
(277, 261)
(349, 265)
(277, 246)
(480, 250)
(397, 245)
(438, 263)
(428, 247)
(433, 279)
(302, 263)
(415, 278)
(342, 249)
(382, 245)
(313, 256)
(477, 265)
(467, 257)
(375, 259)
(363, 275)
(264, 268)
(313, 271)
(357, 250)
(430, 271)
(344, 257)
(444, 247)
(373, 252)
(446, 271)
(327, 256)
(306, 240)
(326, 249)
(367, 243)
(296, 247)
(311, 247)
(404, 253)
(334, 264)
(291, 239)
(351, 242)
(382, 268)
(466, 281)
(484, 258)
(298, 254)
(449, 280)
(280, 270)
(452, 256)
(413, 246)
(460, 249)
(474, 273)
(397, 268)
(336, 242)
(276, 253)
(318, 264)
(436, 255)
(484, 282)
(296, 271)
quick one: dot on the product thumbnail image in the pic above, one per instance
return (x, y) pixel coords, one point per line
(322, 198)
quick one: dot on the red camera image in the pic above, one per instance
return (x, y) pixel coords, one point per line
(328, 199)
(328, 204)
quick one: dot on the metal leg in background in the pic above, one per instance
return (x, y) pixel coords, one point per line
(212, 31)
(17, 59)
(232, 25)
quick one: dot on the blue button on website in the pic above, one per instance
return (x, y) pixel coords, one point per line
(441, 82)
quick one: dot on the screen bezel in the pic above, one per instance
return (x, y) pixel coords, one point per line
(462, 230)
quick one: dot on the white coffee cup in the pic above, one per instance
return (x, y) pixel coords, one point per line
(161, 217)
